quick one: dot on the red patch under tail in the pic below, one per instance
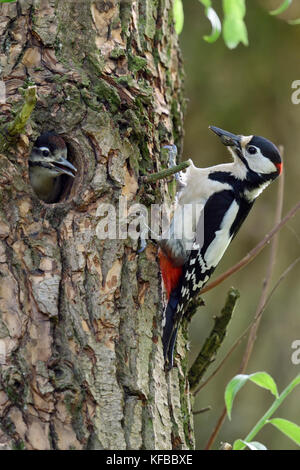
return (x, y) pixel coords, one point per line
(170, 274)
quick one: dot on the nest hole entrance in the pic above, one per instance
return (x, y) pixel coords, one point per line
(70, 185)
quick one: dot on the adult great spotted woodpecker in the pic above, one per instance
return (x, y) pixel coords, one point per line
(197, 241)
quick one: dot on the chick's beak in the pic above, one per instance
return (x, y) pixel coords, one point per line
(227, 138)
(64, 166)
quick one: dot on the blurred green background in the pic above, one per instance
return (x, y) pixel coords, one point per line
(248, 91)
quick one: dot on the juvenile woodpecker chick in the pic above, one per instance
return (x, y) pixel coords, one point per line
(47, 163)
(225, 194)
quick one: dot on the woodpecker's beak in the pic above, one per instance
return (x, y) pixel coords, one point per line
(64, 166)
(228, 139)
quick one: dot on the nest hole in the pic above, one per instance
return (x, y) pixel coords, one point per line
(70, 186)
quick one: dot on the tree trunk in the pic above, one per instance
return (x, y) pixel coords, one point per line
(80, 317)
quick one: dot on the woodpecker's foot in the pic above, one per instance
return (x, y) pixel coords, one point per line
(143, 245)
(172, 150)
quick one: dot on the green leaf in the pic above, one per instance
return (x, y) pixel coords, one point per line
(262, 379)
(234, 28)
(178, 15)
(216, 25)
(231, 390)
(7, 1)
(214, 20)
(234, 8)
(288, 428)
(284, 6)
(254, 445)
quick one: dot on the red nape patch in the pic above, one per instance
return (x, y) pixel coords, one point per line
(170, 274)
(279, 167)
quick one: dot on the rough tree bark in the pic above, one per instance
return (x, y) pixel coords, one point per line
(80, 318)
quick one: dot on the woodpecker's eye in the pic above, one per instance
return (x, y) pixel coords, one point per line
(252, 150)
(45, 151)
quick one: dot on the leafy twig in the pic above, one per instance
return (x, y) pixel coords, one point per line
(270, 412)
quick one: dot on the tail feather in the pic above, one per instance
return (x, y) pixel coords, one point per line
(172, 281)
(170, 329)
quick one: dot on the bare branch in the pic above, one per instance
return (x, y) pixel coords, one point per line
(214, 341)
(19, 123)
(214, 434)
(165, 173)
(10, 131)
(202, 410)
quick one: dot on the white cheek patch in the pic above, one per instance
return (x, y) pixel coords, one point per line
(260, 164)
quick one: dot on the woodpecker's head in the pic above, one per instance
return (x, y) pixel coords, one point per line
(47, 161)
(49, 156)
(258, 155)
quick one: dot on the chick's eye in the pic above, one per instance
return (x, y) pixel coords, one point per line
(252, 150)
(46, 152)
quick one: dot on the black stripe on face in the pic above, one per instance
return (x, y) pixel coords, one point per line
(40, 164)
(242, 158)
